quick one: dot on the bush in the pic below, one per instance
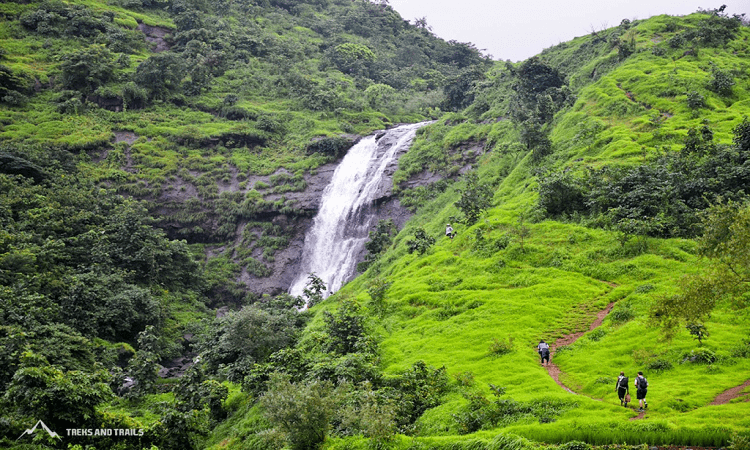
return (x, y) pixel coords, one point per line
(87, 69)
(560, 193)
(475, 198)
(695, 100)
(597, 334)
(575, 445)
(330, 146)
(499, 347)
(421, 242)
(621, 314)
(721, 81)
(659, 365)
(701, 356)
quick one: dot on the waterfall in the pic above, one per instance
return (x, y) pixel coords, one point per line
(341, 227)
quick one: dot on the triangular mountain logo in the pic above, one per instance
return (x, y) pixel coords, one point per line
(32, 430)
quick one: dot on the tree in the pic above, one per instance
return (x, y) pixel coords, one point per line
(346, 329)
(87, 69)
(160, 74)
(303, 411)
(240, 339)
(61, 399)
(475, 198)
(726, 242)
(421, 242)
(143, 366)
(314, 290)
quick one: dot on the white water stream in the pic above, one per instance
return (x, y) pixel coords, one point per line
(340, 229)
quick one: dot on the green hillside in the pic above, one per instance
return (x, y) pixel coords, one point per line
(595, 212)
(611, 182)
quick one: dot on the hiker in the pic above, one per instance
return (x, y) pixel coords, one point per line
(641, 386)
(543, 350)
(449, 231)
(623, 391)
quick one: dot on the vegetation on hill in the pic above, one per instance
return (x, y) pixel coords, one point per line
(610, 171)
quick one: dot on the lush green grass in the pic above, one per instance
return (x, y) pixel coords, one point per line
(447, 306)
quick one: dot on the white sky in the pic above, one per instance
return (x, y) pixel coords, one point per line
(518, 30)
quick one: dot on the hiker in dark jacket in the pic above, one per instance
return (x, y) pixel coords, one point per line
(622, 388)
(543, 349)
(641, 385)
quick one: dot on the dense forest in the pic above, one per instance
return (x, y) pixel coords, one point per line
(155, 162)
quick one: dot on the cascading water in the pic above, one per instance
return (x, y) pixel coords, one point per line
(345, 217)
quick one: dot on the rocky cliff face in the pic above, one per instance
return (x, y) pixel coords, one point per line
(265, 245)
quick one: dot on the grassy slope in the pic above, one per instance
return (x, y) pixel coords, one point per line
(446, 307)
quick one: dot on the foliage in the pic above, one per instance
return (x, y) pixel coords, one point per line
(346, 329)
(414, 391)
(421, 242)
(660, 198)
(379, 240)
(62, 399)
(476, 197)
(725, 240)
(195, 392)
(160, 75)
(303, 411)
(143, 367)
(87, 69)
(698, 331)
(236, 341)
(721, 81)
(500, 347)
(377, 290)
(335, 147)
(314, 290)
(483, 413)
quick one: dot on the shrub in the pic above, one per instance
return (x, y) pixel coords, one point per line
(464, 378)
(695, 100)
(575, 445)
(500, 347)
(721, 81)
(621, 314)
(503, 241)
(475, 198)
(560, 193)
(659, 365)
(303, 411)
(380, 239)
(330, 146)
(739, 442)
(346, 329)
(701, 356)
(597, 334)
(421, 242)
(87, 69)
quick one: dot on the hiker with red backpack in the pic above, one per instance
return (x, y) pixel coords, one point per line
(622, 389)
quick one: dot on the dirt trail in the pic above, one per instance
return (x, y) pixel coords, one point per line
(730, 394)
(568, 339)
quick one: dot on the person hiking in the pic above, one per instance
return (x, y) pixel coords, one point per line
(641, 386)
(449, 231)
(622, 389)
(543, 349)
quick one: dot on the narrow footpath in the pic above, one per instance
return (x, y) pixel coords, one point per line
(731, 394)
(568, 339)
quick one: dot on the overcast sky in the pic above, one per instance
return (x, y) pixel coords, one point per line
(517, 30)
